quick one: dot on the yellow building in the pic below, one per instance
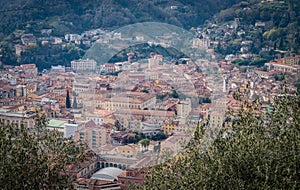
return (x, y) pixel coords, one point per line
(30, 88)
(33, 96)
(131, 100)
(170, 126)
(29, 69)
(216, 119)
(128, 150)
(291, 60)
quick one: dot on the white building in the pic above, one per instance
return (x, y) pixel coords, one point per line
(72, 37)
(84, 65)
(58, 68)
(154, 61)
(96, 118)
(282, 67)
(184, 107)
(201, 43)
(70, 129)
(67, 128)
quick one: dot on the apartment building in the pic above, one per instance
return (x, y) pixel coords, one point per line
(83, 65)
(18, 118)
(94, 135)
(131, 100)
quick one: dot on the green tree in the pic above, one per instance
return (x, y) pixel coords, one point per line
(75, 106)
(174, 94)
(145, 143)
(68, 101)
(258, 151)
(36, 158)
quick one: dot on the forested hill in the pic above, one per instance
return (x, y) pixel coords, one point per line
(281, 19)
(77, 15)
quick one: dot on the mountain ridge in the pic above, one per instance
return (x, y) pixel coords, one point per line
(77, 15)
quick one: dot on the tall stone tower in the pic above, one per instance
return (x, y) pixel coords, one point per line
(225, 83)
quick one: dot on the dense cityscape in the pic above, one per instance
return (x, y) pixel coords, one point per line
(135, 108)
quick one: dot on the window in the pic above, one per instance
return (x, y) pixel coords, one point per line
(94, 143)
(81, 134)
(94, 134)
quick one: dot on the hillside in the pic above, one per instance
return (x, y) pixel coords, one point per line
(76, 16)
(142, 51)
(280, 31)
(280, 23)
(154, 32)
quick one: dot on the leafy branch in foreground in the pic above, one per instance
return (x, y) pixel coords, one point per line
(36, 158)
(259, 150)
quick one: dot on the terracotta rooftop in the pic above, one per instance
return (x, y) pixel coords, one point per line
(91, 124)
(107, 147)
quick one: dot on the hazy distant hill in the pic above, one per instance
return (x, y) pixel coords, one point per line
(78, 15)
(153, 32)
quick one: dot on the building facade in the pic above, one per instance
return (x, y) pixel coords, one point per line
(131, 100)
(18, 118)
(83, 65)
(94, 135)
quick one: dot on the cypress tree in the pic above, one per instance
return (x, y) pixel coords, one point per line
(68, 101)
(75, 106)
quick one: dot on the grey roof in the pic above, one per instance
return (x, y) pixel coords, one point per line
(109, 174)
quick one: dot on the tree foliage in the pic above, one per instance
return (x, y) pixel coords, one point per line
(47, 55)
(145, 143)
(259, 150)
(76, 16)
(142, 51)
(36, 158)
(282, 24)
(68, 100)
